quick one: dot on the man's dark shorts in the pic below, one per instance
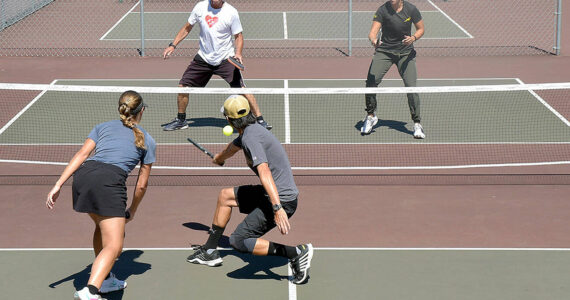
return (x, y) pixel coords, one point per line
(254, 201)
(199, 72)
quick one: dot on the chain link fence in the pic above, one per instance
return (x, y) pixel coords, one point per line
(274, 28)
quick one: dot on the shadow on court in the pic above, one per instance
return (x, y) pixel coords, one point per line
(207, 122)
(257, 267)
(124, 267)
(391, 124)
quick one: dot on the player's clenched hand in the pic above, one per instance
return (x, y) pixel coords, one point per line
(217, 159)
(52, 197)
(282, 221)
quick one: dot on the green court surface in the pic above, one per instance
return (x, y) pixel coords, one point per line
(476, 117)
(276, 26)
(437, 274)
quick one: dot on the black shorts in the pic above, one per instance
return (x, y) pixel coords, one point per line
(199, 72)
(100, 188)
(254, 201)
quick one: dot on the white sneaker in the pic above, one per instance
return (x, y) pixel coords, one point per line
(419, 131)
(85, 295)
(112, 284)
(368, 124)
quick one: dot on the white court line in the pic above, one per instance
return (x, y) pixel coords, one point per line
(23, 110)
(292, 287)
(285, 33)
(554, 111)
(450, 19)
(287, 114)
(316, 248)
(119, 21)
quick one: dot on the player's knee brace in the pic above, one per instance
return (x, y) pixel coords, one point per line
(241, 244)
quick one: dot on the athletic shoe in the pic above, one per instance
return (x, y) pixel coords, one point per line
(419, 131)
(208, 257)
(301, 263)
(85, 295)
(112, 284)
(264, 124)
(368, 124)
(175, 124)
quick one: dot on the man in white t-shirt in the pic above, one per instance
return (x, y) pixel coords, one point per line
(218, 22)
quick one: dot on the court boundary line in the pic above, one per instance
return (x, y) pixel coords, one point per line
(23, 110)
(286, 112)
(550, 108)
(315, 248)
(450, 19)
(285, 33)
(102, 38)
(448, 167)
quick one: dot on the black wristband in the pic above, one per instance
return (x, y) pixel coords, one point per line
(172, 45)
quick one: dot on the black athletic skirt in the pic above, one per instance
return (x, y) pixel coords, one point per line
(100, 188)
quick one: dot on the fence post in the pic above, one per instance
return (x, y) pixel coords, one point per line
(2, 16)
(350, 27)
(558, 27)
(141, 51)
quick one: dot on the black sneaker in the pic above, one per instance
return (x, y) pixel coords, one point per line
(175, 125)
(264, 124)
(208, 257)
(301, 263)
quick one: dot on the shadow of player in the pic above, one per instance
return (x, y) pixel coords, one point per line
(391, 124)
(124, 267)
(257, 267)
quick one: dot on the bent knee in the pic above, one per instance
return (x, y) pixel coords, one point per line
(244, 245)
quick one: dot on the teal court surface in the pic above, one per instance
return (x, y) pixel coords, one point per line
(336, 273)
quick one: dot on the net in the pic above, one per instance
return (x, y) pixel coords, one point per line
(274, 28)
(475, 133)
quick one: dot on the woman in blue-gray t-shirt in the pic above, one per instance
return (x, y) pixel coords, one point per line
(99, 187)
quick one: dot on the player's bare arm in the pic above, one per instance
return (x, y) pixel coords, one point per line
(181, 35)
(239, 46)
(373, 34)
(417, 35)
(229, 151)
(73, 165)
(140, 190)
(268, 183)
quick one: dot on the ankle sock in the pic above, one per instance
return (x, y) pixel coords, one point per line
(93, 289)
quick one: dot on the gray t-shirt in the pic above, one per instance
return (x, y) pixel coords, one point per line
(395, 25)
(260, 146)
(115, 145)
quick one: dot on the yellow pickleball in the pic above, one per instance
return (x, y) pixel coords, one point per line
(228, 130)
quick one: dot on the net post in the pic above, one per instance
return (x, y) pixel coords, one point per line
(141, 51)
(350, 27)
(558, 27)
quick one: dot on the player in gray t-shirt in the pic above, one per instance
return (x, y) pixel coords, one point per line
(267, 205)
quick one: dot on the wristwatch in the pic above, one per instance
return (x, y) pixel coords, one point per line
(172, 45)
(277, 207)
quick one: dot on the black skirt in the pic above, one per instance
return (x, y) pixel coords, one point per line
(100, 188)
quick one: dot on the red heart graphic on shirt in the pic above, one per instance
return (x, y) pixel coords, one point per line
(211, 20)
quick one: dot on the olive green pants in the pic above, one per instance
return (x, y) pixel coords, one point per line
(406, 63)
